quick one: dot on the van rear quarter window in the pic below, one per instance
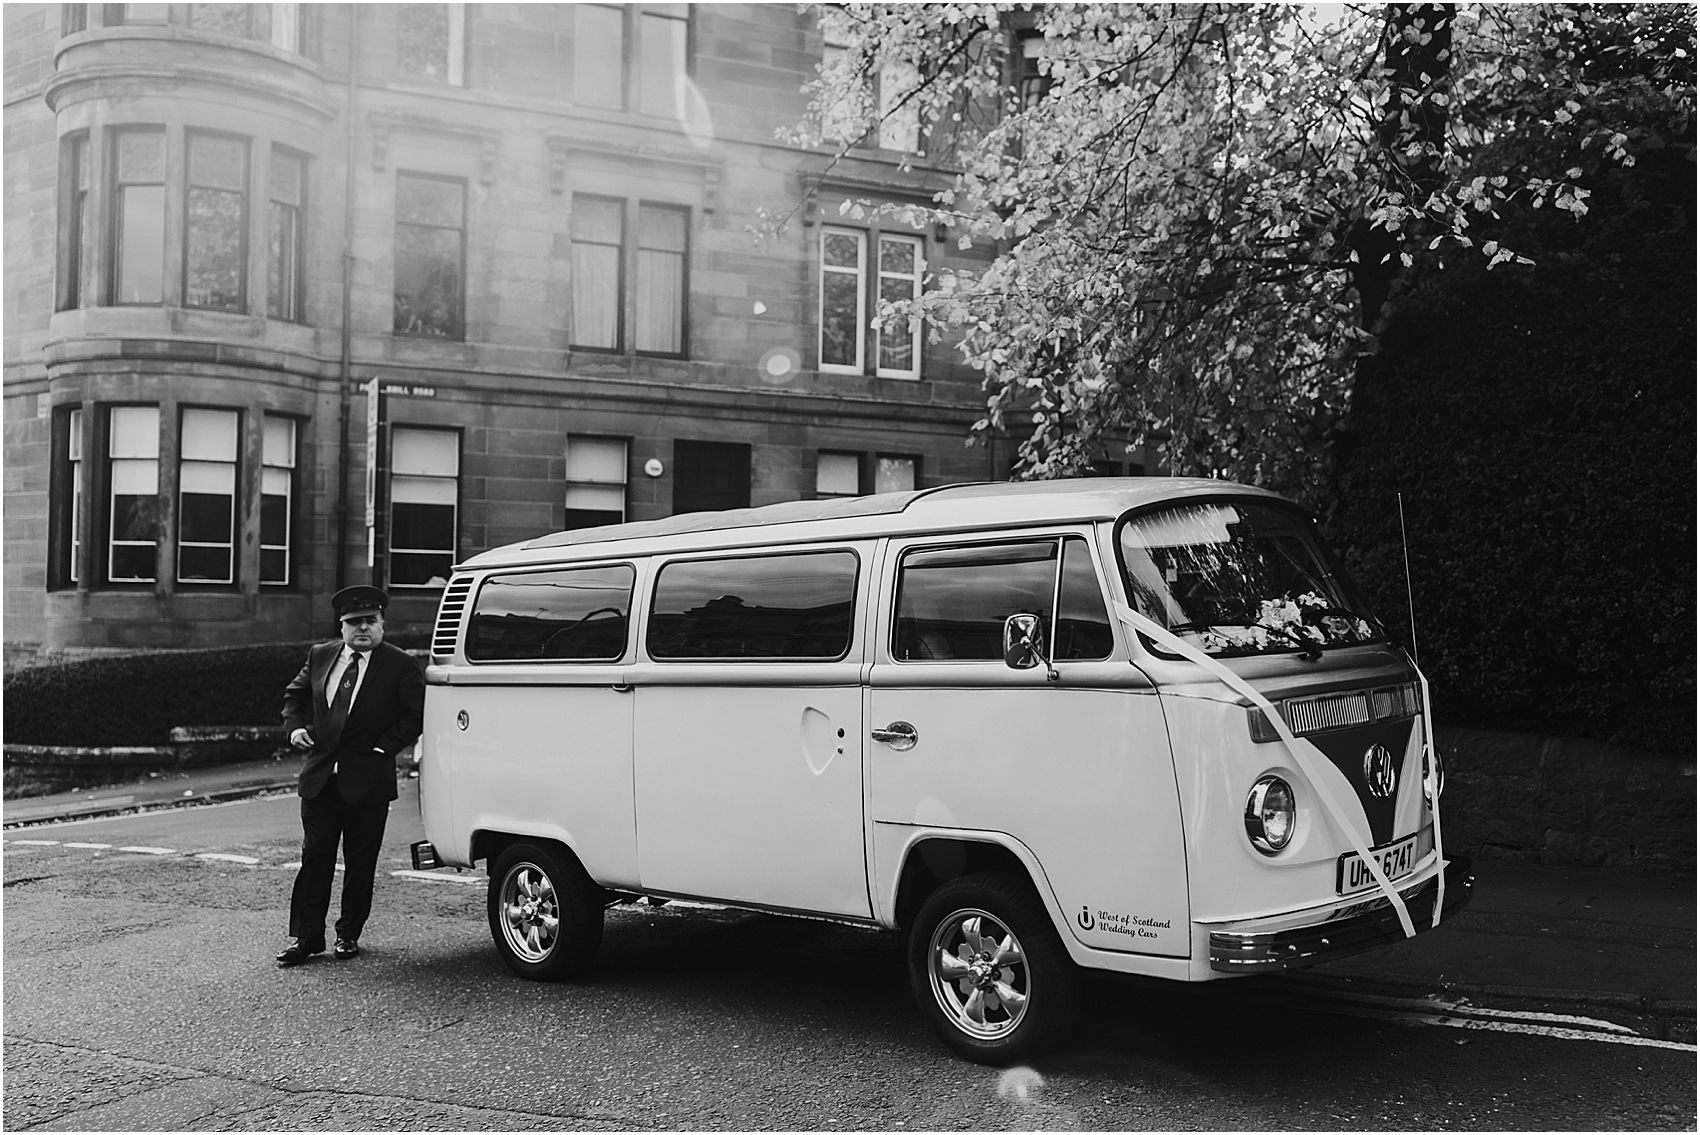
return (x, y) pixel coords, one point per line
(795, 606)
(571, 614)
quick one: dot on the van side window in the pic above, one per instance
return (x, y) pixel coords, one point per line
(576, 614)
(952, 602)
(795, 606)
(1083, 625)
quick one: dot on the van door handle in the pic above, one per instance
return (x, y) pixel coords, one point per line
(900, 735)
(622, 687)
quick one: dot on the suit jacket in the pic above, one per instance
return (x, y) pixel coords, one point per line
(386, 718)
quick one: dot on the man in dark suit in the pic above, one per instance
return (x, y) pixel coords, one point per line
(352, 708)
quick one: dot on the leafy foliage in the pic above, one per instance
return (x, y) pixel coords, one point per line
(1200, 223)
(1543, 445)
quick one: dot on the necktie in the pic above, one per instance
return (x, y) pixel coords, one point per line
(338, 715)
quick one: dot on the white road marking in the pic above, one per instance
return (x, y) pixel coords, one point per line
(90, 846)
(36, 842)
(245, 860)
(428, 877)
(151, 850)
(1465, 1009)
(1463, 1016)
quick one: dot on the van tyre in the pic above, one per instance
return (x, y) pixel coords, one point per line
(545, 912)
(988, 971)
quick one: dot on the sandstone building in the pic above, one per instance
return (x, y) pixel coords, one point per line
(527, 228)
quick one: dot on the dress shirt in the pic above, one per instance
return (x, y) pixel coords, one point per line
(334, 678)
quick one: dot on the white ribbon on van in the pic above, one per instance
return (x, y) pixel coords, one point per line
(1309, 758)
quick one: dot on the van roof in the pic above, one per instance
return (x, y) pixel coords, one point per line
(947, 508)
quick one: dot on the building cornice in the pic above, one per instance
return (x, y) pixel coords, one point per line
(384, 122)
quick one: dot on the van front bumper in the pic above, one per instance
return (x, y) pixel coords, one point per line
(1248, 953)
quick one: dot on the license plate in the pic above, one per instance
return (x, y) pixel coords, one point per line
(1396, 859)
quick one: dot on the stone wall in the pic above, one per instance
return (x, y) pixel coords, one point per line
(1566, 801)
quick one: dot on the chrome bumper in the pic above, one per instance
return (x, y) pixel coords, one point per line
(1307, 945)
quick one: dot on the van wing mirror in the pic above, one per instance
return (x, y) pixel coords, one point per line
(1023, 642)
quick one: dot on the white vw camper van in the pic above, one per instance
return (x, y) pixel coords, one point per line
(1135, 725)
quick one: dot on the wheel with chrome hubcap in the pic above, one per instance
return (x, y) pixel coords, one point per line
(545, 912)
(988, 971)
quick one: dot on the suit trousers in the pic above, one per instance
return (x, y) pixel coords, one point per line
(326, 819)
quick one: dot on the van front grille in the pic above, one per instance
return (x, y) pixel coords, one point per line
(449, 615)
(1329, 711)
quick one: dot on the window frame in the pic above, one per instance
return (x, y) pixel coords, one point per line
(293, 289)
(291, 475)
(912, 372)
(915, 465)
(861, 321)
(454, 50)
(663, 564)
(116, 212)
(861, 460)
(869, 276)
(459, 333)
(630, 83)
(108, 481)
(235, 496)
(1059, 542)
(390, 548)
(570, 483)
(573, 333)
(683, 327)
(76, 257)
(246, 192)
(626, 646)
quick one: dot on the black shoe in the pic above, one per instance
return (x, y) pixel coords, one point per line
(346, 948)
(297, 953)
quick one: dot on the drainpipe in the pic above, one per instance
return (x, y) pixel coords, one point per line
(345, 376)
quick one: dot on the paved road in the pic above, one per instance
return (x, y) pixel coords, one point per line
(139, 995)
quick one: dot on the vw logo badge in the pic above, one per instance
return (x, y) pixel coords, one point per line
(1380, 773)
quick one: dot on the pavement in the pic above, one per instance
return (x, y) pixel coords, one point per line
(1587, 940)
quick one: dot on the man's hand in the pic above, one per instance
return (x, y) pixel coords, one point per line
(301, 739)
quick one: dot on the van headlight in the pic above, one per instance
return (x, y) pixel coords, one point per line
(1270, 813)
(1434, 775)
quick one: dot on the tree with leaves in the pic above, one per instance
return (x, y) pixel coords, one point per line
(1202, 214)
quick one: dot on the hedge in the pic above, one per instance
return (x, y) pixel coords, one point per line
(136, 699)
(1540, 424)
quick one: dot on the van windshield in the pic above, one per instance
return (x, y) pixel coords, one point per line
(1237, 579)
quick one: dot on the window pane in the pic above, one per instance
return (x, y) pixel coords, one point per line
(840, 327)
(203, 564)
(894, 474)
(423, 490)
(218, 163)
(434, 453)
(283, 270)
(209, 435)
(206, 518)
(134, 432)
(132, 563)
(710, 475)
(141, 157)
(842, 250)
(599, 52)
(838, 475)
(214, 267)
(796, 606)
(660, 302)
(577, 518)
(1083, 624)
(429, 201)
(279, 447)
(424, 40)
(596, 459)
(274, 518)
(420, 569)
(952, 602)
(897, 257)
(597, 232)
(427, 282)
(897, 335)
(662, 66)
(141, 243)
(274, 565)
(661, 227)
(286, 178)
(136, 518)
(576, 614)
(422, 526)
